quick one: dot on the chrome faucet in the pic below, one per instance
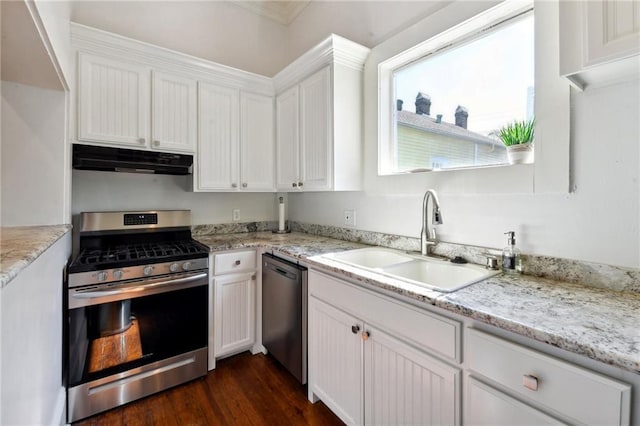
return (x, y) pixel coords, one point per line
(428, 236)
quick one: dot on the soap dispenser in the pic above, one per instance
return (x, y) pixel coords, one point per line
(511, 262)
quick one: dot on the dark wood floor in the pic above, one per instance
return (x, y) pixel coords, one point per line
(243, 390)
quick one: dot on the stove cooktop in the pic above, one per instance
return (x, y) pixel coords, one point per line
(119, 256)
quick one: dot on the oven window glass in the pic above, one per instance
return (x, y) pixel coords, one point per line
(113, 337)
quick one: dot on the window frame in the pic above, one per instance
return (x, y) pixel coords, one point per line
(550, 173)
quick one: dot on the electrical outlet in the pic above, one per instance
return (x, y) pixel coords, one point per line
(350, 217)
(236, 215)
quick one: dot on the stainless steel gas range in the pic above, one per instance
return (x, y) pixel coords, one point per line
(137, 303)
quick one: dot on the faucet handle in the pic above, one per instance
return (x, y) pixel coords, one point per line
(432, 234)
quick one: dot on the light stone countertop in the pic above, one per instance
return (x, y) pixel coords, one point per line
(597, 323)
(21, 245)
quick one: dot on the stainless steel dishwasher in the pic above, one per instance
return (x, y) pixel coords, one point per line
(284, 313)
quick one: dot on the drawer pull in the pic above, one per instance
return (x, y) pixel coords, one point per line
(355, 329)
(237, 262)
(365, 335)
(530, 382)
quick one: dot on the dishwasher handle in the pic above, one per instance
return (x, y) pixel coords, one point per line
(288, 274)
(281, 272)
(281, 267)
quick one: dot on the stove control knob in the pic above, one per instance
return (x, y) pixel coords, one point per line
(102, 276)
(148, 270)
(118, 274)
(174, 267)
(186, 266)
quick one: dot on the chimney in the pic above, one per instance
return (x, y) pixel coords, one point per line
(461, 116)
(423, 103)
(399, 103)
(439, 118)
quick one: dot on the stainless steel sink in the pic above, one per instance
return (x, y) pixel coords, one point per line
(431, 273)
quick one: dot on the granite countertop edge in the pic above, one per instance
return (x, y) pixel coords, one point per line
(20, 246)
(537, 308)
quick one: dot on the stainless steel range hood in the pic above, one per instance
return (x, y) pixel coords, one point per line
(89, 157)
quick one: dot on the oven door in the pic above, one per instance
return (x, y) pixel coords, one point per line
(128, 340)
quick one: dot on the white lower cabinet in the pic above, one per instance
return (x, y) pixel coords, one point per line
(234, 313)
(233, 300)
(485, 405)
(404, 385)
(530, 387)
(335, 360)
(363, 369)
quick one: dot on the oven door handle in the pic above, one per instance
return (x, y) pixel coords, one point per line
(141, 288)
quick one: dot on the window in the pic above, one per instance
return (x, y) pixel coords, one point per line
(448, 97)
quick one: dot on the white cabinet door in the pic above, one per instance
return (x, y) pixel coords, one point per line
(485, 405)
(316, 151)
(406, 386)
(234, 312)
(174, 124)
(613, 30)
(287, 133)
(113, 101)
(335, 360)
(257, 150)
(217, 162)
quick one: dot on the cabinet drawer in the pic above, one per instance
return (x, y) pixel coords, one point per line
(485, 405)
(431, 332)
(240, 261)
(580, 394)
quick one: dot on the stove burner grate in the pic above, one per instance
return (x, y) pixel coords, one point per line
(148, 251)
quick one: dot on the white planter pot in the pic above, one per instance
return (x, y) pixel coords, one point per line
(520, 154)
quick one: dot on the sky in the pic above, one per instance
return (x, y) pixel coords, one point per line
(490, 76)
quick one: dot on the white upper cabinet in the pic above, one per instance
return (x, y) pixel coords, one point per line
(174, 112)
(235, 140)
(287, 129)
(115, 98)
(257, 142)
(217, 163)
(599, 41)
(113, 102)
(129, 93)
(319, 119)
(315, 136)
(304, 138)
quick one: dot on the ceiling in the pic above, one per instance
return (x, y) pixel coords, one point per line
(282, 12)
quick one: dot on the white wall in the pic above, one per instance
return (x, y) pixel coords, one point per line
(599, 222)
(34, 152)
(214, 30)
(97, 191)
(225, 33)
(365, 22)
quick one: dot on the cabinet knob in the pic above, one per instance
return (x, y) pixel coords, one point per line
(244, 185)
(365, 335)
(355, 329)
(237, 262)
(142, 141)
(156, 143)
(530, 382)
(295, 185)
(300, 184)
(234, 185)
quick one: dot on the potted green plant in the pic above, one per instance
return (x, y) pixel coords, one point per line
(518, 138)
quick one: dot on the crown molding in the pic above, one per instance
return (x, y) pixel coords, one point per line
(92, 40)
(333, 50)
